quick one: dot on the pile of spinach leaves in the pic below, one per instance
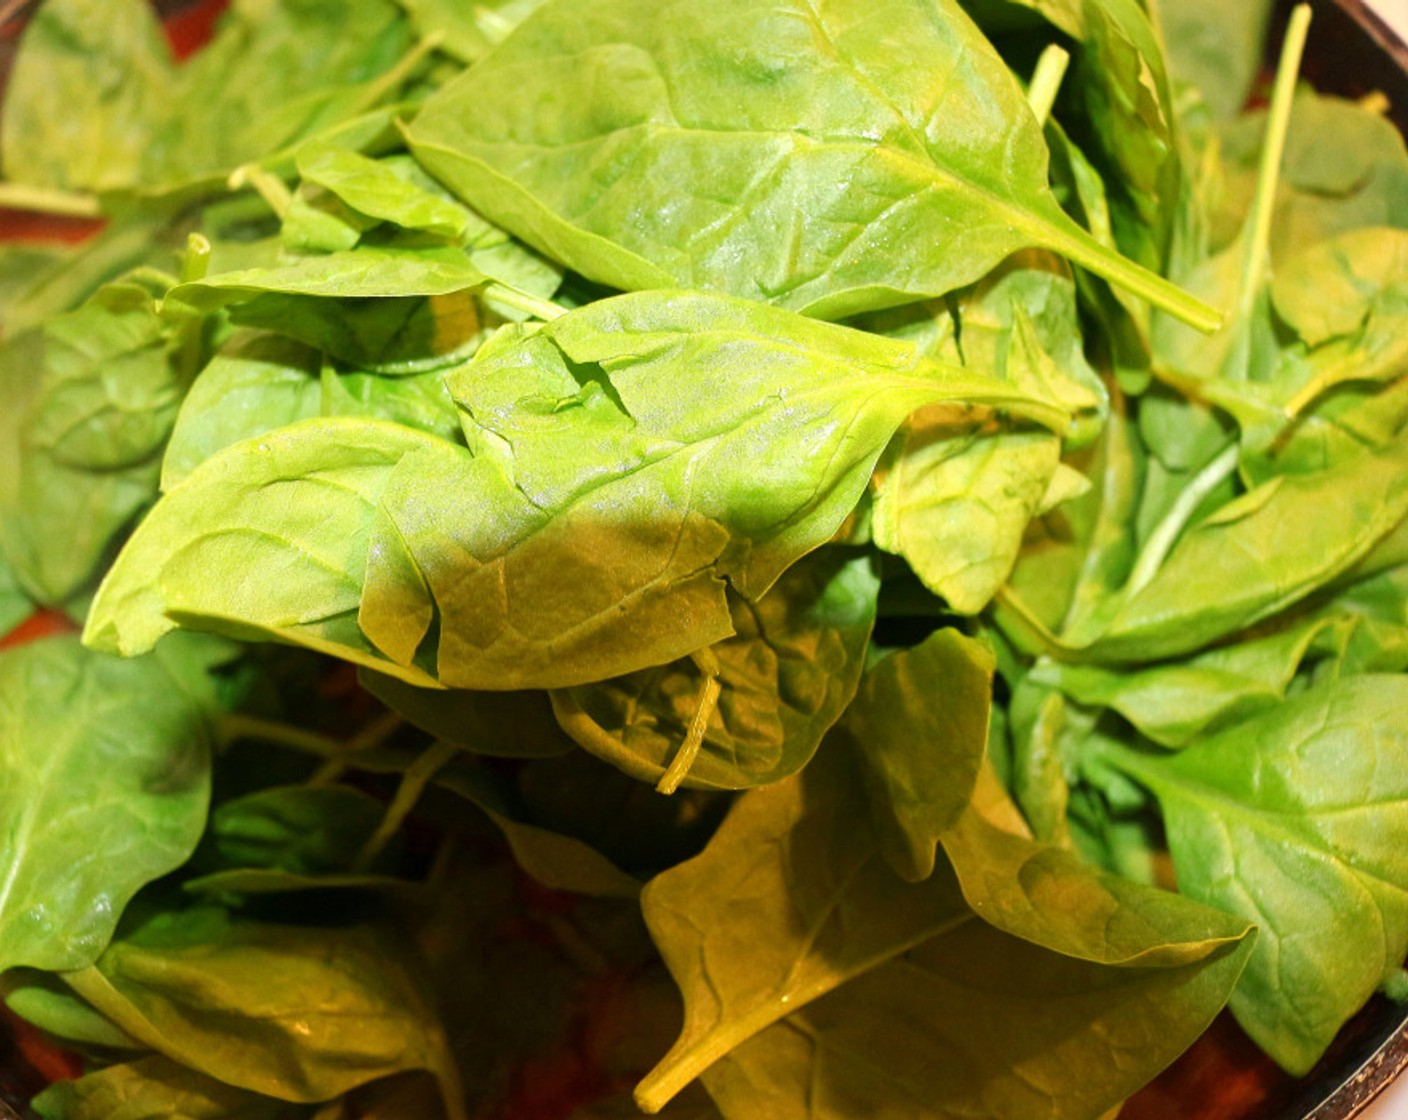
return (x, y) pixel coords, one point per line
(717, 559)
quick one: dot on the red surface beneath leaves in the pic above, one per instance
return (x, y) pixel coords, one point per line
(41, 624)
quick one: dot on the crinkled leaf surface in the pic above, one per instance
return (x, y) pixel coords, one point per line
(651, 445)
(1297, 820)
(790, 928)
(93, 79)
(785, 676)
(106, 778)
(301, 1013)
(854, 157)
(89, 404)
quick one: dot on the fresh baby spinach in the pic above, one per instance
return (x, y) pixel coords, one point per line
(744, 552)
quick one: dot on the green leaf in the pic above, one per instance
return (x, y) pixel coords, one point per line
(853, 163)
(389, 190)
(380, 271)
(954, 499)
(15, 605)
(90, 91)
(556, 860)
(89, 405)
(304, 830)
(155, 1088)
(235, 514)
(1256, 556)
(785, 676)
(1216, 48)
(256, 383)
(1297, 820)
(785, 418)
(975, 1023)
(45, 1001)
(468, 33)
(919, 727)
(777, 911)
(303, 1014)
(276, 73)
(1345, 168)
(89, 746)
(1175, 704)
(1128, 124)
(784, 940)
(260, 382)
(506, 724)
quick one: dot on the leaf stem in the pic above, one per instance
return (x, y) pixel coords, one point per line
(272, 189)
(45, 200)
(197, 259)
(398, 73)
(1256, 234)
(1046, 81)
(1166, 533)
(542, 309)
(413, 784)
(1080, 248)
(694, 738)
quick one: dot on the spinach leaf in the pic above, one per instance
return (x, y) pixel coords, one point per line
(89, 425)
(260, 382)
(389, 190)
(154, 1088)
(782, 680)
(784, 421)
(1295, 819)
(920, 771)
(954, 498)
(15, 605)
(556, 860)
(1215, 48)
(300, 1013)
(256, 383)
(832, 936)
(468, 33)
(372, 271)
(1265, 560)
(304, 830)
(91, 743)
(507, 724)
(1177, 703)
(830, 140)
(974, 1022)
(45, 1001)
(775, 913)
(99, 75)
(1346, 168)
